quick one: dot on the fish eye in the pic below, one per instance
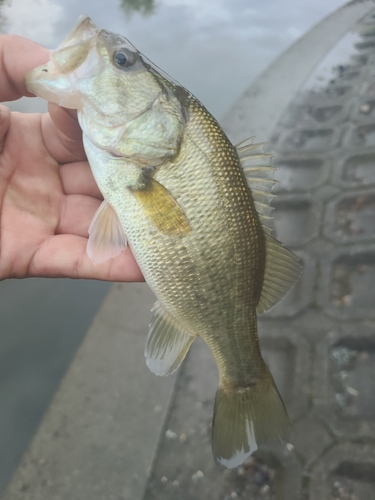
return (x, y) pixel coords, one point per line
(124, 59)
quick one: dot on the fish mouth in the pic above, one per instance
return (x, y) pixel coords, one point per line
(83, 30)
(37, 82)
(41, 81)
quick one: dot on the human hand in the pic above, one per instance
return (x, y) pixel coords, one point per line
(48, 195)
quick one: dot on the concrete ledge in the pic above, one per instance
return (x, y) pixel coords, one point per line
(100, 433)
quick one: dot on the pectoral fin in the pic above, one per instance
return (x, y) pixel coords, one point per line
(167, 343)
(161, 208)
(106, 235)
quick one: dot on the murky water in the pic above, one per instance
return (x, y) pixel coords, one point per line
(215, 48)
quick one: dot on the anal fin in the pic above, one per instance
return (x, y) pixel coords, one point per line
(167, 343)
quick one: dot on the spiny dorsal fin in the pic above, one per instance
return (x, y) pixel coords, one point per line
(167, 343)
(259, 175)
(282, 266)
(281, 272)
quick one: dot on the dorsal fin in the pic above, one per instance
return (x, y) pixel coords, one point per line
(259, 175)
(282, 266)
(281, 272)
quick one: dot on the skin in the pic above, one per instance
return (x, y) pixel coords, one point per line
(48, 195)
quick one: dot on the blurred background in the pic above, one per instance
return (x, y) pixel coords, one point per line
(215, 48)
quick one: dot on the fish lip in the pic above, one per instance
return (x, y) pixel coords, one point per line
(38, 83)
(32, 77)
(84, 29)
(40, 89)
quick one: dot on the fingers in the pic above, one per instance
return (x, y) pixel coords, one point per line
(65, 256)
(77, 178)
(4, 125)
(77, 214)
(63, 148)
(61, 131)
(66, 121)
(18, 56)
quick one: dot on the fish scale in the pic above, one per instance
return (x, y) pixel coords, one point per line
(176, 189)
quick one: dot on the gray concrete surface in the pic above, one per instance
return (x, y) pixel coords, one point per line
(42, 323)
(99, 436)
(99, 440)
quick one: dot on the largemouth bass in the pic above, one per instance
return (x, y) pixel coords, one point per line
(195, 211)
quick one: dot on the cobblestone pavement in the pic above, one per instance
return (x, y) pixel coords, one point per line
(320, 340)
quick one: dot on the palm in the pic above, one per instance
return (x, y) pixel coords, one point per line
(48, 200)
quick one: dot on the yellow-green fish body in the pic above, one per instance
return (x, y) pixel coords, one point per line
(175, 188)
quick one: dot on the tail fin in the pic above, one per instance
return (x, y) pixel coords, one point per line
(244, 418)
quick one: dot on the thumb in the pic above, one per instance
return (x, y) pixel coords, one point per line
(4, 125)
